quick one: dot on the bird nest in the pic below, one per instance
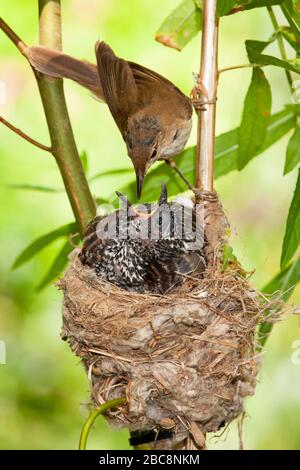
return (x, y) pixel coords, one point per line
(185, 360)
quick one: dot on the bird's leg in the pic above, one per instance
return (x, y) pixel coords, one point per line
(173, 165)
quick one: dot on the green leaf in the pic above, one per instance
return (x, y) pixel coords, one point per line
(185, 21)
(292, 158)
(291, 238)
(228, 257)
(32, 187)
(250, 4)
(255, 119)
(42, 242)
(290, 37)
(57, 266)
(101, 200)
(226, 147)
(84, 161)
(110, 173)
(224, 7)
(292, 14)
(254, 51)
(180, 26)
(284, 283)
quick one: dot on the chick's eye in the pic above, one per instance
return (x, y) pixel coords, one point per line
(176, 135)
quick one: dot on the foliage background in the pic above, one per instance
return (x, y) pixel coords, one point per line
(43, 389)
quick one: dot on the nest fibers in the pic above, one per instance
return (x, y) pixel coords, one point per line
(186, 360)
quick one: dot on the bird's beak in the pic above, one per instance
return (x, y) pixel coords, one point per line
(123, 200)
(139, 182)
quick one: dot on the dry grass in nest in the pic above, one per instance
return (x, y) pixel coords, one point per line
(185, 361)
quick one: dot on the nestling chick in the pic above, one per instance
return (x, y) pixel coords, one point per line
(145, 248)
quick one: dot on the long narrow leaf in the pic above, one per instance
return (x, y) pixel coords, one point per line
(292, 152)
(32, 187)
(110, 173)
(180, 26)
(292, 15)
(255, 119)
(291, 238)
(250, 4)
(284, 283)
(57, 266)
(290, 37)
(41, 242)
(183, 23)
(224, 6)
(254, 51)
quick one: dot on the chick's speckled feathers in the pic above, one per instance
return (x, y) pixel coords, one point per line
(143, 252)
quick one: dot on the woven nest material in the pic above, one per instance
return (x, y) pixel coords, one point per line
(185, 361)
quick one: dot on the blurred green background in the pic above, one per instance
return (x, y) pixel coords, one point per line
(44, 392)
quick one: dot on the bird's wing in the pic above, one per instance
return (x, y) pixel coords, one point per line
(143, 76)
(118, 83)
(124, 82)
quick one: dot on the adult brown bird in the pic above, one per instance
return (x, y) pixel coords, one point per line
(153, 115)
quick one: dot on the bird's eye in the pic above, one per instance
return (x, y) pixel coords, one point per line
(176, 135)
(149, 141)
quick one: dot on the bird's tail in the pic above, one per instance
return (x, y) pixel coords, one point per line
(57, 64)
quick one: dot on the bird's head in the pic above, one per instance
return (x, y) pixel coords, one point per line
(144, 142)
(148, 140)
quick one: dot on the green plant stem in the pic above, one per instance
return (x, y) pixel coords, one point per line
(280, 43)
(237, 67)
(91, 419)
(62, 139)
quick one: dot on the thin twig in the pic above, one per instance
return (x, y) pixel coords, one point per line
(104, 353)
(13, 37)
(236, 67)
(280, 44)
(25, 136)
(173, 165)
